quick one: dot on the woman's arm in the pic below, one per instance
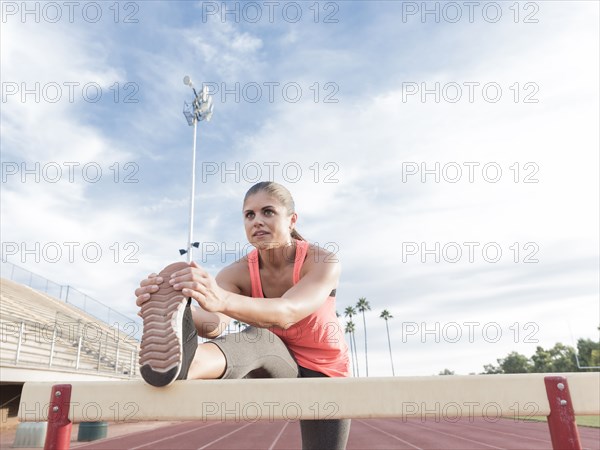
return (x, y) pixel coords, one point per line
(211, 324)
(299, 301)
(208, 324)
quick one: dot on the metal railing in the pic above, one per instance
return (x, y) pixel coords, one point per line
(73, 297)
(67, 343)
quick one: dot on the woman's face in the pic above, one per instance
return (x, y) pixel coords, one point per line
(267, 222)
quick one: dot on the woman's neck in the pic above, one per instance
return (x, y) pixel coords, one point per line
(279, 257)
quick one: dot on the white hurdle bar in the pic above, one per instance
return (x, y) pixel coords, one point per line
(558, 396)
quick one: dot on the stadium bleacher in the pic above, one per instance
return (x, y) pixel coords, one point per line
(43, 335)
(38, 330)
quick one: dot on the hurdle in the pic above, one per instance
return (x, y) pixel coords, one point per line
(557, 396)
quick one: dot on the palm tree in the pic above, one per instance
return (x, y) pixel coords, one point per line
(385, 315)
(362, 306)
(350, 330)
(338, 315)
(238, 324)
(349, 312)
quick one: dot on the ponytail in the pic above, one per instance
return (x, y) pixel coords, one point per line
(297, 235)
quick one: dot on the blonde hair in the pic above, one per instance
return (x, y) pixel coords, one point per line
(281, 194)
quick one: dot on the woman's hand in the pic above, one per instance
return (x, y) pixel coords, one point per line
(147, 287)
(197, 283)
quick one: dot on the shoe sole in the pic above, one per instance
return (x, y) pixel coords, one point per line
(161, 349)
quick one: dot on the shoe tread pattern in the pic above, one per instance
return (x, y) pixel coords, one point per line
(161, 346)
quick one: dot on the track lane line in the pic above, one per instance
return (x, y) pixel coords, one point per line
(222, 437)
(278, 436)
(545, 441)
(173, 436)
(134, 434)
(459, 437)
(389, 434)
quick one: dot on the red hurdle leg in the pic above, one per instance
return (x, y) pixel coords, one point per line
(58, 436)
(561, 421)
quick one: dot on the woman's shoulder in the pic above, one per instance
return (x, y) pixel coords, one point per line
(316, 253)
(237, 273)
(317, 256)
(238, 267)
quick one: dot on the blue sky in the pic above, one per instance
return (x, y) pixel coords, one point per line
(450, 159)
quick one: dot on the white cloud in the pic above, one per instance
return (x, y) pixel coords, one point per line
(370, 212)
(367, 138)
(229, 53)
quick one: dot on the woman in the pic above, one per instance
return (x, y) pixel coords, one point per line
(284, 289)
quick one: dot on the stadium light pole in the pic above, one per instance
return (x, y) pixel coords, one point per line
(200, 109)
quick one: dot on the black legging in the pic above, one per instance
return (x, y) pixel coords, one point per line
(259, 353)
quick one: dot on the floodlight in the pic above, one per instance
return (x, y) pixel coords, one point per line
(201, 108)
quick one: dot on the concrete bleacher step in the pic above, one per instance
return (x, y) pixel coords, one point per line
(46, 306)
(44, 325)
(64, 356)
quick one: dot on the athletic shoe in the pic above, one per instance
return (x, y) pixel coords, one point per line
(170, 339)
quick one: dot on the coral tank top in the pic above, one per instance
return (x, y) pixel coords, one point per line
(317, 341)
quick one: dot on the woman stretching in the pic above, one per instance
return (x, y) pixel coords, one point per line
(284, 289)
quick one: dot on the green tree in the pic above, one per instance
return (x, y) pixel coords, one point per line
(595, 356)
(349, 312)
(595, 359)
(491, 369)
(362, 306)
(350, 330)
(446, 372)
(542, 360)
(515, 363)
(563, 358)
(560, 358)
(385, 315)
(586, 349)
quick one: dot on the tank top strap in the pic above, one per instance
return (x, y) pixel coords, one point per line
(255, 274)
(301, 250)
(254, 269)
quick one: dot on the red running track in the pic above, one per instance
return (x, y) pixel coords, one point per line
(369, 434)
